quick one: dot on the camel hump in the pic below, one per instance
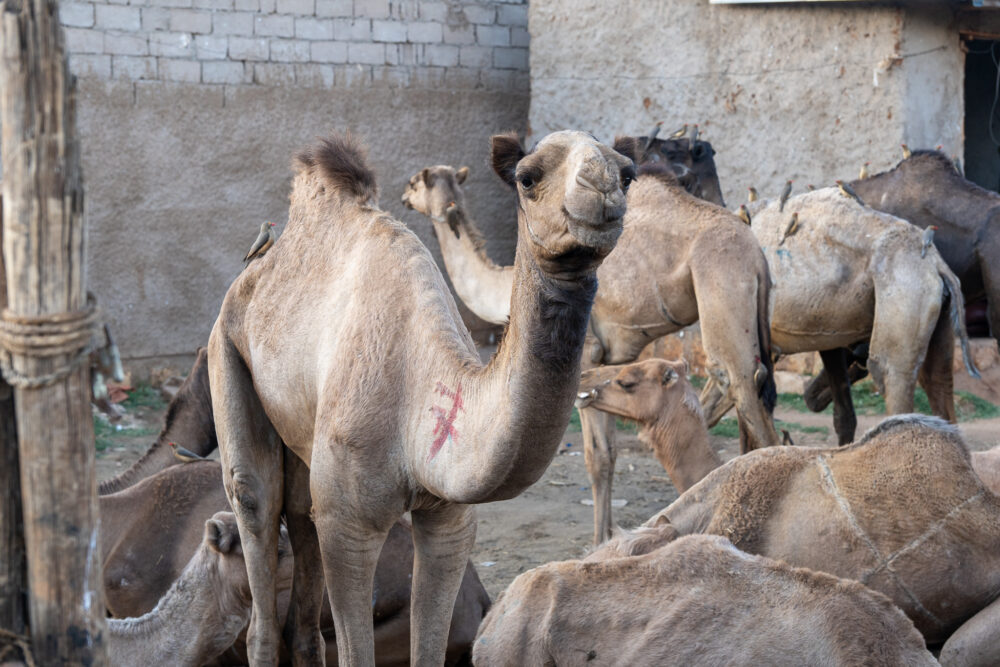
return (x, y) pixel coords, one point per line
(910, 421)
(341, 160)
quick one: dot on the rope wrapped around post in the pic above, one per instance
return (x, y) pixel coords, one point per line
(76, 333)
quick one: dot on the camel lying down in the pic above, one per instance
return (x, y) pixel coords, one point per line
(695, 601)
(205, 609)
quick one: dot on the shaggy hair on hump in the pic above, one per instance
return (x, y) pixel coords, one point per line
(342, 162)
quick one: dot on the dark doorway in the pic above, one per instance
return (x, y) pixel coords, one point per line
(982, 113)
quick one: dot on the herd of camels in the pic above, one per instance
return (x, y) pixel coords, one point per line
(344, 392)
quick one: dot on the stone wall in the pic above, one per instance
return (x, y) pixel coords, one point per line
(190, 111)
(806, 92)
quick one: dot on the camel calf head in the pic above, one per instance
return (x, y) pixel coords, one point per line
(571, 195)
(642, 391)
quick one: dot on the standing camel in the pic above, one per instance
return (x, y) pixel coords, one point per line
(846, 274)
(925, 189)
(348, 320)
(680, 260)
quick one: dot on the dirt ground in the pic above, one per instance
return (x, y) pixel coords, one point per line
(550, 521)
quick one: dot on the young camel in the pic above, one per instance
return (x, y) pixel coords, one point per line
(205, 609)
(850, 274)
(695, 601)
(348, 320)
(901, 511)
(680, 260)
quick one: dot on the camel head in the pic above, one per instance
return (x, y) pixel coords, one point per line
(435, 192)
(222, 546)
(571, 195)
(642, 391)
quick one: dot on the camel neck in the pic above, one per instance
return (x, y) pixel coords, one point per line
(481, 284)
(680, 441)
(188, 626)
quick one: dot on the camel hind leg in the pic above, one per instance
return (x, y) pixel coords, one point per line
(599, 457)
(443, 538)
(251, 453)
(845, 422)
(302, 634)
(936, 375)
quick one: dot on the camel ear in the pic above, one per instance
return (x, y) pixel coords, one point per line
(221, 537)
(627, 146)
(427, 177)
(685, 369)
(505, 153)
(461, 175)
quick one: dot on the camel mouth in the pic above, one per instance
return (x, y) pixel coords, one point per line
(584, 399)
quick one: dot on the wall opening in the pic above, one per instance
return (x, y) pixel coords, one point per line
(982, 113)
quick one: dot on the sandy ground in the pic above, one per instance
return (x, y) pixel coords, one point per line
(549, 521)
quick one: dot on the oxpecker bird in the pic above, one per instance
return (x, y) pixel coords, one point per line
(810, 187)
(863, 174)
(265, 239)
(694, 136)
(680, 133)
(848, 191)
(928, 240)
(906, 151)
(752, 196)
(185, 455)
(785, 194)
(651, 136)
(793, 226)
(958, 165)
(744, 213)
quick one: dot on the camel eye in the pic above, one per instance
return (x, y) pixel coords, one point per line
(526, 182)
(627, 385)
(628, 175)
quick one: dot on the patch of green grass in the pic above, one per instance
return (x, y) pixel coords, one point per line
(144, 396)
(574, 420)
(726, 428)
(106, 435)
(697, 381)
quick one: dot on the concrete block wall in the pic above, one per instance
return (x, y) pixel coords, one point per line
(300, 42)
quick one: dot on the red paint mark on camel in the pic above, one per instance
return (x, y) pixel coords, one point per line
(445, 427)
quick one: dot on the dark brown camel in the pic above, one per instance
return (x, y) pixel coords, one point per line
(925, 189)
(694, 166)
(151, 530)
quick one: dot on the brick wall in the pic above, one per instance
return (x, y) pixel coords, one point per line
(315, 43)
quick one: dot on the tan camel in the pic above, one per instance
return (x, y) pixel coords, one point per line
(849, 274)
(901, 511)
(656, 394)
(680, 260)
(136, 532)
(696, 601)
(347, 320)
(203, 612)
(987, 466)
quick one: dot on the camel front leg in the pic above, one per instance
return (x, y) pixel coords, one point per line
(252, 475)
(599, 456)
(443, 538)
(302, 634)
(976, 643)
(845, 422)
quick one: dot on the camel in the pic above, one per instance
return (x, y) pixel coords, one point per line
(145, 549)
(849, 274)
(680, 260)
(925, 189)
(188, 423)
(901, 511)
(693, 164)
(657, 395)
(987, 466)
(204, 610)
(695, 601)
(347, 321)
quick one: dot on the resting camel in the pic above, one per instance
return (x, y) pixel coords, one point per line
(145, 549)
(925, 189)
(695, 601)
(901, 511)
(680, 260)
(203, 611)
(348, 320)
(849, 274)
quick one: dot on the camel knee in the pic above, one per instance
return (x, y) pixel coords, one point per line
(252, 502)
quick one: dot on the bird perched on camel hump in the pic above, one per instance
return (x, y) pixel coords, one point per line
(863, 174)
(680, 133)
(744, 213)
(752, 195)
(652, 136)
(906, 151)
(183, 454)
(265, 239)
(848, 191)
(928, 240)
(793, 226)
(785, 194)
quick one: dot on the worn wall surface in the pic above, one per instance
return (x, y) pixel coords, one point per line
(806, 92)
(190, 111)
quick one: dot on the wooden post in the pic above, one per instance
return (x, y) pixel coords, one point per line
(43, 248)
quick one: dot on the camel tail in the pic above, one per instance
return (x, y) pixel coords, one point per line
(956, 305)
(342, 161)
(768, 392)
